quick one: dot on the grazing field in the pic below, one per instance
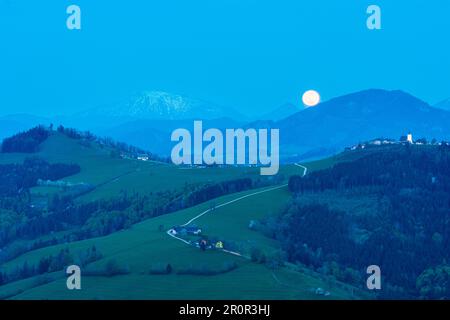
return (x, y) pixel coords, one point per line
(145, 245)
(111, 174)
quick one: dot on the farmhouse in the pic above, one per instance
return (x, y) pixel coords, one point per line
(192, 230)
(143, 157)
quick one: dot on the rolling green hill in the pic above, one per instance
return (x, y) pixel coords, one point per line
(146, 245)
(111, 174)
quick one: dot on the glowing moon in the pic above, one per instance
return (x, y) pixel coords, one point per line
(311, 98)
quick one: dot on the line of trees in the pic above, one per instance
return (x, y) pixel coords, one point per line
(49, 264)
(25, 142)
(21, 177)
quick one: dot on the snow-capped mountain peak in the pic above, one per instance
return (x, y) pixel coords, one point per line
(159, 102)
(164, 105)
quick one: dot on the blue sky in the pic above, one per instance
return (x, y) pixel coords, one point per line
(253, 55)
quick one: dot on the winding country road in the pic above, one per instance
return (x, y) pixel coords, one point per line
(274, 276)
(303, 167)
(171, 232)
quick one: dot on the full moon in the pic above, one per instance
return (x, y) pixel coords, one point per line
(311, 98)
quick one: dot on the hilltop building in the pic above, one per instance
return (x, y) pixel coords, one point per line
(409, 138)
(404, 140)
(186, 230)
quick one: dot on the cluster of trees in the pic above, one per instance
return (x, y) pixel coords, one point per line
(434, 283)
(75, 134)
(214, 190)
(18, 218)
(161, 269)
(408, 234)
(274, 260)
(21, 177)
(211, 191)
(25, 142)
(110, 269)
(51, 263)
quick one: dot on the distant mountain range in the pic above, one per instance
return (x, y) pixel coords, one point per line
(159, 105)
(360, 116)
(281, 112)
(147, 120)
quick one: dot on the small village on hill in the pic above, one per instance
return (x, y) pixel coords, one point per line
(404, 140)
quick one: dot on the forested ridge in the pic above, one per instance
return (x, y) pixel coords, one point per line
(408, 236)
